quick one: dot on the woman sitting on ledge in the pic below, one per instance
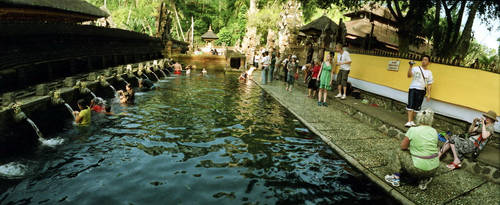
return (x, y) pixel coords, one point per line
(479, 131)
(418, 155)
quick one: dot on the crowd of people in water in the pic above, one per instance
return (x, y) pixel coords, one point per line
(419, 155)
(126, 97)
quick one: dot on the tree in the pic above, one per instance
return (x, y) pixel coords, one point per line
(448, 37)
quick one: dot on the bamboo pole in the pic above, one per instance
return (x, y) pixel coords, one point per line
(192, 32)
(179, 23)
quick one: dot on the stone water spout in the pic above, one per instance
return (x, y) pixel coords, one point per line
(119, 78)
(148, 70)
(18, 114)
(82, 87)
(102, 80)
(140, 73)
(56, 99)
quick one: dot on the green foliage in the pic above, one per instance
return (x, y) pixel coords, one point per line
(235, 29)
(265, 19)
(478, 51)
(143, 14)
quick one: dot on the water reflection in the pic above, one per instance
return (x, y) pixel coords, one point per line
(196, 140)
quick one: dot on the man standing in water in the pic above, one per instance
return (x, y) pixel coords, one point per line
(177, 68)
(344, 61)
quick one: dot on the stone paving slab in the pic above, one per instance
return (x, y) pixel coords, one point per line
(488, 193)
(367, 145)
(443, 188)
(349, 134)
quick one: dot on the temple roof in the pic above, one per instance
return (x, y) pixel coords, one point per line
(317, 26)
(51, 10)
(209, 35)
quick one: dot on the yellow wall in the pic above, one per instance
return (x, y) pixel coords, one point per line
(472, 88)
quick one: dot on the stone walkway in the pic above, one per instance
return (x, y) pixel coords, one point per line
(368, 150)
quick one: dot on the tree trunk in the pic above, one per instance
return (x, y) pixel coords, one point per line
(409, 25)
(436, 33)
(404, 38)
(250, 39)
(456, 31)
(464, 42)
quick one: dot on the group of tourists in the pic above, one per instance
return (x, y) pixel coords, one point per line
(418, 155)
(319, 76)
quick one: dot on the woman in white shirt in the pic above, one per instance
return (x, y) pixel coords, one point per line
(420, 87)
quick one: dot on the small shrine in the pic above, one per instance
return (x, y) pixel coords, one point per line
(208, 37)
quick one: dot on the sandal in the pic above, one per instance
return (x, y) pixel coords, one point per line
(453, 166)
(423, 183)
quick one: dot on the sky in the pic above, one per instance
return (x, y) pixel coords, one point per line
(485, 37)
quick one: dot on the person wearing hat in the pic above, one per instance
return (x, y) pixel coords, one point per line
(479, 132)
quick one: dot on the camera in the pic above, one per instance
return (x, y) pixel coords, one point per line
(412, 62)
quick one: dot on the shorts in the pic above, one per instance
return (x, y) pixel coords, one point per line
(463, 146)
(342, 77)
(312, 84)
(415, 99)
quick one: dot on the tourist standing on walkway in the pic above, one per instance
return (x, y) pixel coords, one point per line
(266, 61)
(313, 82)
(270, 72)
(344, 61)
(479, 131)
(285, 69)
(418, 153)
(325, 80)
(420, 87)
(256, 60)
(292, 71)
(277, 66)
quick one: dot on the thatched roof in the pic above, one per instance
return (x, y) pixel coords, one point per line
(376, 12)
(362, 27)
(382, 32)
(63, 6)
(209, 35)
(318, 25)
